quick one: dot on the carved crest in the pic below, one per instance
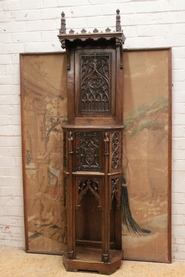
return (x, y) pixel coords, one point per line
(87, 151)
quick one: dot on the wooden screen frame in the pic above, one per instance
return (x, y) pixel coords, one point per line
(168, 69)
(35, 79)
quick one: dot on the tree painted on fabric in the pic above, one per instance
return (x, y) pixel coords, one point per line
(150, 116)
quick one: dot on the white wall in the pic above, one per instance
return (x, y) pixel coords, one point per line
(32, 26)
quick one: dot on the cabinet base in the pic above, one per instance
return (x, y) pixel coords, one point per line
(89, 259)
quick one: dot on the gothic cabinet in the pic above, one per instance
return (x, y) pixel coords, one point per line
(93, 148)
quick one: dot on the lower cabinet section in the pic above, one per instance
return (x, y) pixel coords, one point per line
(93, 170)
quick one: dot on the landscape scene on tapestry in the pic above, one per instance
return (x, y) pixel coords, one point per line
(145, 183)
(44, 113)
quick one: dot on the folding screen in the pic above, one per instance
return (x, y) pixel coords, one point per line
(146, 191)
(43, 94)
(147, 155)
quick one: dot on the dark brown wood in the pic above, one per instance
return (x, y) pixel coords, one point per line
(88, 259)
(93, 152)
(63, 24)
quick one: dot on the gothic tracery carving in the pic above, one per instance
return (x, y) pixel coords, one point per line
(115, 150)
(85, 184)
(95, 83)
(87, 151)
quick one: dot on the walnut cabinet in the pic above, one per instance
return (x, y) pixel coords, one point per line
(93, 148)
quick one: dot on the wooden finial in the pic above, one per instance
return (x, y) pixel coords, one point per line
(107, 30)
(83, 31)
(118, 21)
(95, 30)
(63, 24)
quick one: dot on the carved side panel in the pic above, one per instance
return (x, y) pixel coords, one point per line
(88, 146)
(115, 150)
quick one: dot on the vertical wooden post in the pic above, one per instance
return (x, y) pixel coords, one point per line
(106, 208)
(70, 216)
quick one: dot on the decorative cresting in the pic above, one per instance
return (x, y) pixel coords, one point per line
(95, 82)
(62, 30)
(63, 24)
(68, 40)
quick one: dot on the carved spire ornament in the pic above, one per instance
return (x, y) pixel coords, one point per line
(118, 21)
(93, 148)
(63, 24)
